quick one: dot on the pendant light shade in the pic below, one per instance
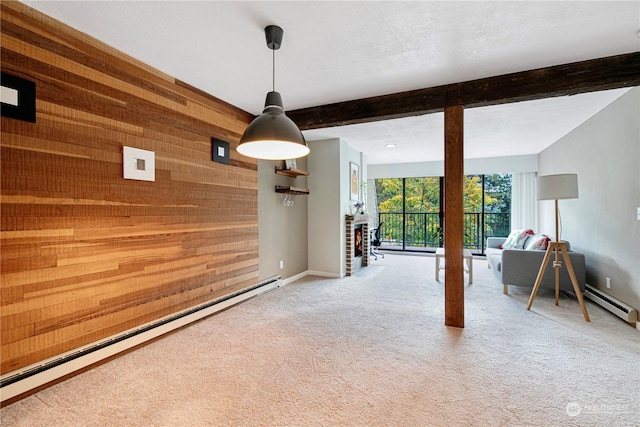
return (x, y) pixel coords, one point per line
(272, 135)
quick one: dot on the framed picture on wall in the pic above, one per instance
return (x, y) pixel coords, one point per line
(290, 164)
(354, 183)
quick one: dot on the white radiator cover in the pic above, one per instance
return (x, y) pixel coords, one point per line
(617, 307)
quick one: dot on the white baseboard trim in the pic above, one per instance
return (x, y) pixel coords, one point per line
(638, 325)
(294, 278)
(323, 274)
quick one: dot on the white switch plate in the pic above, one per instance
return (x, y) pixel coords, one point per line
(638, 214)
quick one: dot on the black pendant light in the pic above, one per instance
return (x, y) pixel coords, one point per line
(272, 135)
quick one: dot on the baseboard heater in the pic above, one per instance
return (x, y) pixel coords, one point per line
(617, 307)
(17, 383)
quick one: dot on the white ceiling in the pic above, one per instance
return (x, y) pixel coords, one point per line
(337, 51)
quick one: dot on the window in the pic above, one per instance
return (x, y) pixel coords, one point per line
(410, 210)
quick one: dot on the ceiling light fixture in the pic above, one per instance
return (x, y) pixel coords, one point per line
(272, 135)
(390, 145)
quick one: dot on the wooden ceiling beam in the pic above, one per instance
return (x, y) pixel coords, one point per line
(612, 72)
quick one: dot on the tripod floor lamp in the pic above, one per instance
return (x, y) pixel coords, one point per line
(555, 187)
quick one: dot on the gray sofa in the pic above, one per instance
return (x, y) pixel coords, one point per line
(519, 267)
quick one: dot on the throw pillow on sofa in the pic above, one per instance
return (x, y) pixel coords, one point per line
(537, 242)
(516, 239)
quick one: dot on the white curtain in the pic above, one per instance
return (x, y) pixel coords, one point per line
(372, 201)
(524, 212)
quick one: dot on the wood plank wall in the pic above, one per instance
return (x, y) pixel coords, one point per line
(85, 253)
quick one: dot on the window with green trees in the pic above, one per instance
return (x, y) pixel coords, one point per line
(412, 215)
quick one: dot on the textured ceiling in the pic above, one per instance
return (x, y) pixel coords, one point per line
(337, 51)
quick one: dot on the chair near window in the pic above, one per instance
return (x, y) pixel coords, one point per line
(375, 242)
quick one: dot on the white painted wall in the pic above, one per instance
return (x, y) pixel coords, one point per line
(282, 230)
(325, 226)
(329, 202)
(605, 153)
(510, 164)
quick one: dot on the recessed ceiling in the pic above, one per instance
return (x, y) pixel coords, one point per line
(337, 51)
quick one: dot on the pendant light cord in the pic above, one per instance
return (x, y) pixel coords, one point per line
(273, 71)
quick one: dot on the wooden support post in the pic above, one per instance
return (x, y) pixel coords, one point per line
(453, 215)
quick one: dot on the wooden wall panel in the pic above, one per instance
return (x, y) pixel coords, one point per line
(86, 254)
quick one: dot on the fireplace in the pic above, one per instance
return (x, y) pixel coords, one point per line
(357, 242)
(357, 238)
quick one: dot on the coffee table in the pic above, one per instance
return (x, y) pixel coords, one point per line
(466, 256)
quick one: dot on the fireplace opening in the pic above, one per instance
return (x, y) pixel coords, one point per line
(357, 238)
(357, 243)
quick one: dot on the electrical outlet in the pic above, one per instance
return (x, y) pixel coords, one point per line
(281, 264)
(608, 283)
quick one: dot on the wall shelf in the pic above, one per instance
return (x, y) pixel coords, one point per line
(293, 173)
(291, 190)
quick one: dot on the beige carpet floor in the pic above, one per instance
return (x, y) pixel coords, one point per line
(369, 350)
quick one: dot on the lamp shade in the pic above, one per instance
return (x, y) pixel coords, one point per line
(555, 187)
(272, 135)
